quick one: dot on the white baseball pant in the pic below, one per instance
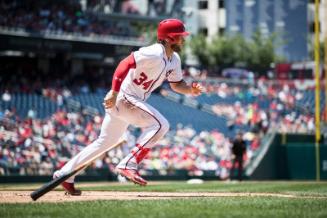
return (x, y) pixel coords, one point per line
(128, 110)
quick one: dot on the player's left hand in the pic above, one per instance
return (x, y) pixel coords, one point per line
(196, 89)
(110, 100)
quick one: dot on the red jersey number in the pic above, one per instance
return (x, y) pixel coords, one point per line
(142, 81)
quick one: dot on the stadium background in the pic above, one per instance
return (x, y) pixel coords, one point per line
(56, 63)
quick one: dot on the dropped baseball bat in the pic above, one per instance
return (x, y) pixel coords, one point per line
(55, 182)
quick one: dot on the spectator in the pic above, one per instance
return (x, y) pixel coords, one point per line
(31, 113)
(238, 150)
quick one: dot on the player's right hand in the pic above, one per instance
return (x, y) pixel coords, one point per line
(109, 100)
(196, 89)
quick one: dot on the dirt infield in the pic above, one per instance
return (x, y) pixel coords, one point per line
(59, 196)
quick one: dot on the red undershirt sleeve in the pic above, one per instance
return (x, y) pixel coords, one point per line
(121, 72)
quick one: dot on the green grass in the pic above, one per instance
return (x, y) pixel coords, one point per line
(310, 201)
(297, 188)
(215, 207)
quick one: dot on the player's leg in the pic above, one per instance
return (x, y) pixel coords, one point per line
(154, 126)
(231, 175)
(111, 130)
(240, 168)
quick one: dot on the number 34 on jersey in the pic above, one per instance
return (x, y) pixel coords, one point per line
(142, 81)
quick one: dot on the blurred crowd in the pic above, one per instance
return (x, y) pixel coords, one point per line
(264, 104)
(68, 17)
(38, 147)
(28, 79)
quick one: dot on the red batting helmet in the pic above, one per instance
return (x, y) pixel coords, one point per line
(168, 29)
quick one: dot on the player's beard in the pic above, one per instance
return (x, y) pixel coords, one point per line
(176, 47)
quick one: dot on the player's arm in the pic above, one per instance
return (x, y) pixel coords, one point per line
(181, 87)
(120, 73)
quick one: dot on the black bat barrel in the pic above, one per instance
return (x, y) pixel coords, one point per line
(49, 186)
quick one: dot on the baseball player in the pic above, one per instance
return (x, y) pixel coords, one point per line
(133, 81)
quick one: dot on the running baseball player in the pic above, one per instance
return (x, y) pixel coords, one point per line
(133, 81)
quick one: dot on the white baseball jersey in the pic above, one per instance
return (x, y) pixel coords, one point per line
(152, 69)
